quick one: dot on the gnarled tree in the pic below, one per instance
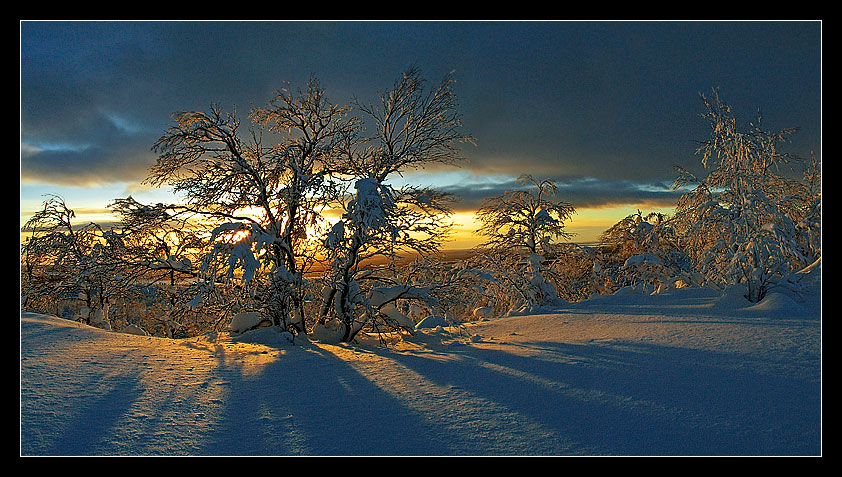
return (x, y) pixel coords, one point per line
(266, 200)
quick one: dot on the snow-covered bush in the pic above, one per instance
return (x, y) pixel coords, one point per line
(134, 330)
(641, 251)
(247, 320)
(455, 289)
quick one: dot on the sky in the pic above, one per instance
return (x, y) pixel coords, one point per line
(606, 109)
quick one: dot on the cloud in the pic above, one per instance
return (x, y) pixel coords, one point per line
(123, 159)
(582, 193)
(91, 144)
(613, 101)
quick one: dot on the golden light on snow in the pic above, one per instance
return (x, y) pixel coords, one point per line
(251, 357)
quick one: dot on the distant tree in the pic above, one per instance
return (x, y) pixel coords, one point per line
(47, 256)
(63, 261)
(525, 224)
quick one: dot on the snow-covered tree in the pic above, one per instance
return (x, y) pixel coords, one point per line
(63, 261)
(806, 211)
(265, 201)
(736, 222)
(411, 128)
(522, 226)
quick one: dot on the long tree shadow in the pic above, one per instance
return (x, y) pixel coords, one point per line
(95, 422)
(638, 399)
(331, 411)
(307, 402)
(704, 304)
(83, 427)
(615, 397)
(65, 408)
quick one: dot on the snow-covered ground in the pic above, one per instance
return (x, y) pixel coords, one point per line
(691, 372)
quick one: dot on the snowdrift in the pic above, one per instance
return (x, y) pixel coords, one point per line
(688, 372)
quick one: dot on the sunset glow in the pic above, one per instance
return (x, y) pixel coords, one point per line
(421, 238)
(571, 119)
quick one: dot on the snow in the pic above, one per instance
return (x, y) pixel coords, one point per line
(431, 322)
(396, 317)
(134, 330)
(642, 259)
(380, 296)
(686, 372)
(371, 202)
(245, 321)
(483, 312)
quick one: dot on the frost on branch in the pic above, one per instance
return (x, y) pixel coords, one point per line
(372, 205)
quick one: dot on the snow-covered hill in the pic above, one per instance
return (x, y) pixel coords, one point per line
(686, 373)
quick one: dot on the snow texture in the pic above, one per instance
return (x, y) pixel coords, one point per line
(245, 321)
(432, 322)
(687, 372)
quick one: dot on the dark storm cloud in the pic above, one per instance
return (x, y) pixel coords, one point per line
(615, 101)
(95, 96)
(87, 164)
(621, 100)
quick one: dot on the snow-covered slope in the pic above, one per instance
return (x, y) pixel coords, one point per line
(686, 373)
